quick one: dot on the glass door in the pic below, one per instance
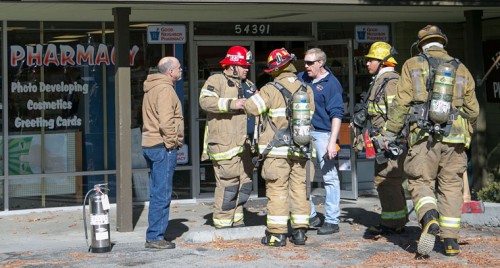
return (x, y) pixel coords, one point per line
(340, 60)
(208, 54)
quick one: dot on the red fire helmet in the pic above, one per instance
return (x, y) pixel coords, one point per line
(237, 55)
(277, 59)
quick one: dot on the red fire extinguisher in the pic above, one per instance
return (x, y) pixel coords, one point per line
(99, 219)
(369, 150)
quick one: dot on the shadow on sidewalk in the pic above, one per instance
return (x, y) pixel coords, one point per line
(136, 214)
(406, 240)
(176, 228)
(360, 216)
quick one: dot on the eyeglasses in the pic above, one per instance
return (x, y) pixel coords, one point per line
(310, 62)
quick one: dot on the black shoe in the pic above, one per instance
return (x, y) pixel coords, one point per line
(314, 222)
(160, 244)
(328, 228)
(298, 236)
(274, 240)
(451, 247)
(430, 229)
(382, 230)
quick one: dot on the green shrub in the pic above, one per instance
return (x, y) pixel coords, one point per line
(490, 193)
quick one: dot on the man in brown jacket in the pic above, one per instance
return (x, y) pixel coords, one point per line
(162, 136)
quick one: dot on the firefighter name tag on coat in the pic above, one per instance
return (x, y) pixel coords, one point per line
(105, 202)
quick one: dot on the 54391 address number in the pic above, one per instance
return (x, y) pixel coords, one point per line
(252, 29)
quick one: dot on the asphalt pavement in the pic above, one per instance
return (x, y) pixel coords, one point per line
(56, 238)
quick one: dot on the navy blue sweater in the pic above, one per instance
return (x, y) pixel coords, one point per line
(327, 100)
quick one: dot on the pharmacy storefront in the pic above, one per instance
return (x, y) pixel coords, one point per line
(59, 102)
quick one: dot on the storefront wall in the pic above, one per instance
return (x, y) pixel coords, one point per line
(60, 100)
(60, 103)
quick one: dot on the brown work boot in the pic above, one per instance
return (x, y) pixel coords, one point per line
(160, 244)
(430, 229)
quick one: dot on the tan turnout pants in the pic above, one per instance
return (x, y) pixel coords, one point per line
(286, 194)
(233, 185)
(435, 181)
(389, 184)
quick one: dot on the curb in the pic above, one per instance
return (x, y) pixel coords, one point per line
(205, 236)
(490, 217)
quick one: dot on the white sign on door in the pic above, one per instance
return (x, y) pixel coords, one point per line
(371, 33)
(167, 34)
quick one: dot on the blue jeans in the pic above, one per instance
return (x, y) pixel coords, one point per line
(330, 178)
(162, 163)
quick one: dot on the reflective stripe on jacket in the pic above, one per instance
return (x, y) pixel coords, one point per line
(270, 102)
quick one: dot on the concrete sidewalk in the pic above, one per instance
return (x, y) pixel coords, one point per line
(56, 238)
(190, 222)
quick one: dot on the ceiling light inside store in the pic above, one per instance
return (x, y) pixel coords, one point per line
(101, 31)
(143, 25)
(14, 28)
(63, 41)
(69, 36)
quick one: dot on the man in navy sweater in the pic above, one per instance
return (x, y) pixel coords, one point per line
(326, 121)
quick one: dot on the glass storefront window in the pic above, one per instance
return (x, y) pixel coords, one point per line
(56, 73)
(61, 109)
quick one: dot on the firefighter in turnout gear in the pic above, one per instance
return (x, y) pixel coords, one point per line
(226, 142)
(437, 155)
(388, 179)
(284, 169)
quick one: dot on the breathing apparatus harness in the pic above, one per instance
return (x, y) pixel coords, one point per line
(287, 136)
(297, 134)
(436, 85)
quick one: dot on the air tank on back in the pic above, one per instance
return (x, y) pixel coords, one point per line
(442, 93)
(301, 118)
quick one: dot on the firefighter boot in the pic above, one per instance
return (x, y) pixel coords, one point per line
(274, 240)
(451, 247)
(430, 229)
(299, 236)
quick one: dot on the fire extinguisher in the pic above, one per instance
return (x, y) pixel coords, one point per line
(99, 219)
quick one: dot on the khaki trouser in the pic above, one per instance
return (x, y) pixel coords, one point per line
(389, 184)
(286, 194)
(233, 186)
(441, 165)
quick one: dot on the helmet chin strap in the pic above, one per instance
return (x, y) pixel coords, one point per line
(392, 52)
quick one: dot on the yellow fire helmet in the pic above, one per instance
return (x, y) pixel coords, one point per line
(379, 51)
